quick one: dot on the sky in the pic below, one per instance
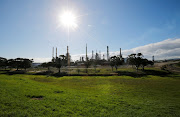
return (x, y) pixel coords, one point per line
(30, 29)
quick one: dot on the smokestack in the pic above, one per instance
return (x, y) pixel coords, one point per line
(86, 52)
(92, 54)
(153, 58)
(107, 53)
(96, 56)
(103, 57)
(56, 52)
(120, 54)
(68, 58)
(53, 53)
(100, 55)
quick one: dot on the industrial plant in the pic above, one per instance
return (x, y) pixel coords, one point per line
(100, 59)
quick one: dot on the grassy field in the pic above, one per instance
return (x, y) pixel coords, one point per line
(36, 95)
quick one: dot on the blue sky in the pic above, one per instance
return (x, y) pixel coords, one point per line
(31, 28)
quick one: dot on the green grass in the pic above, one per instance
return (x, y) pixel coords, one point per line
(33, 95)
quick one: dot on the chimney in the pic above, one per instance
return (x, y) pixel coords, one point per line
(100, 55)
(56, 52)
(120, 54)
(68, 58)
(107, 53)
(53, 53)
(92, 54)
(86, 52)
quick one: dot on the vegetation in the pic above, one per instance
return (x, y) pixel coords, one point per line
(137, 60)
(32, 95)
(115, 61)
(17, 63)
(124, 92)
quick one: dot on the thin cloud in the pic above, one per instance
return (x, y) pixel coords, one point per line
(166, 49)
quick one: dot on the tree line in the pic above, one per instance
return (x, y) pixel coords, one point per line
(17, 63)
(136, 60)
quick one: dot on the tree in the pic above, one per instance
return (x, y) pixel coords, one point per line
(26, 63)
(3, 62)
(137, 60)
(146, 62)
(58, 63)
(11, 63)
(112, 61)
(115, 61)
(19, 63)
(87, 64)
(95, 65)
(47, 65)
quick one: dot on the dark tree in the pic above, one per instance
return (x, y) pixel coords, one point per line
(112, 62)
(58, 63)
(95, 64)
(26, 63)
(87, 64)
(19, 63)
(137, 60)
(11, 63)
(146, 62)
(3, 62)
(47, 65)
(115, 61)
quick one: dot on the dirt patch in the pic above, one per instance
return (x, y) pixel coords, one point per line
(58, 91)
(35, 97)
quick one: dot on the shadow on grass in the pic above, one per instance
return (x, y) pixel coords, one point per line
(60, 74)
(5, 70)
(14, 72)
(134, 74)
(143, 73)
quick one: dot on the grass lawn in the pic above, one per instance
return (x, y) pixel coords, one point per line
(35, 95)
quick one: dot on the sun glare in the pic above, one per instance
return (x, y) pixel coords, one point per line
(68, 19)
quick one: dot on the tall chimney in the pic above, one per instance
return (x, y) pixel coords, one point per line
(153, 58)
(92, 54)
(86, 52)
(107, 53)
(96, 56)
(68, 58)
(53, 53)
(56, 52)
(120, 54)
(100, 55)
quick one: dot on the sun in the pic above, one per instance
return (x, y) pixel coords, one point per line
(68, 19)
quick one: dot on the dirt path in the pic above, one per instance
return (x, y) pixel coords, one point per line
(170, 66)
